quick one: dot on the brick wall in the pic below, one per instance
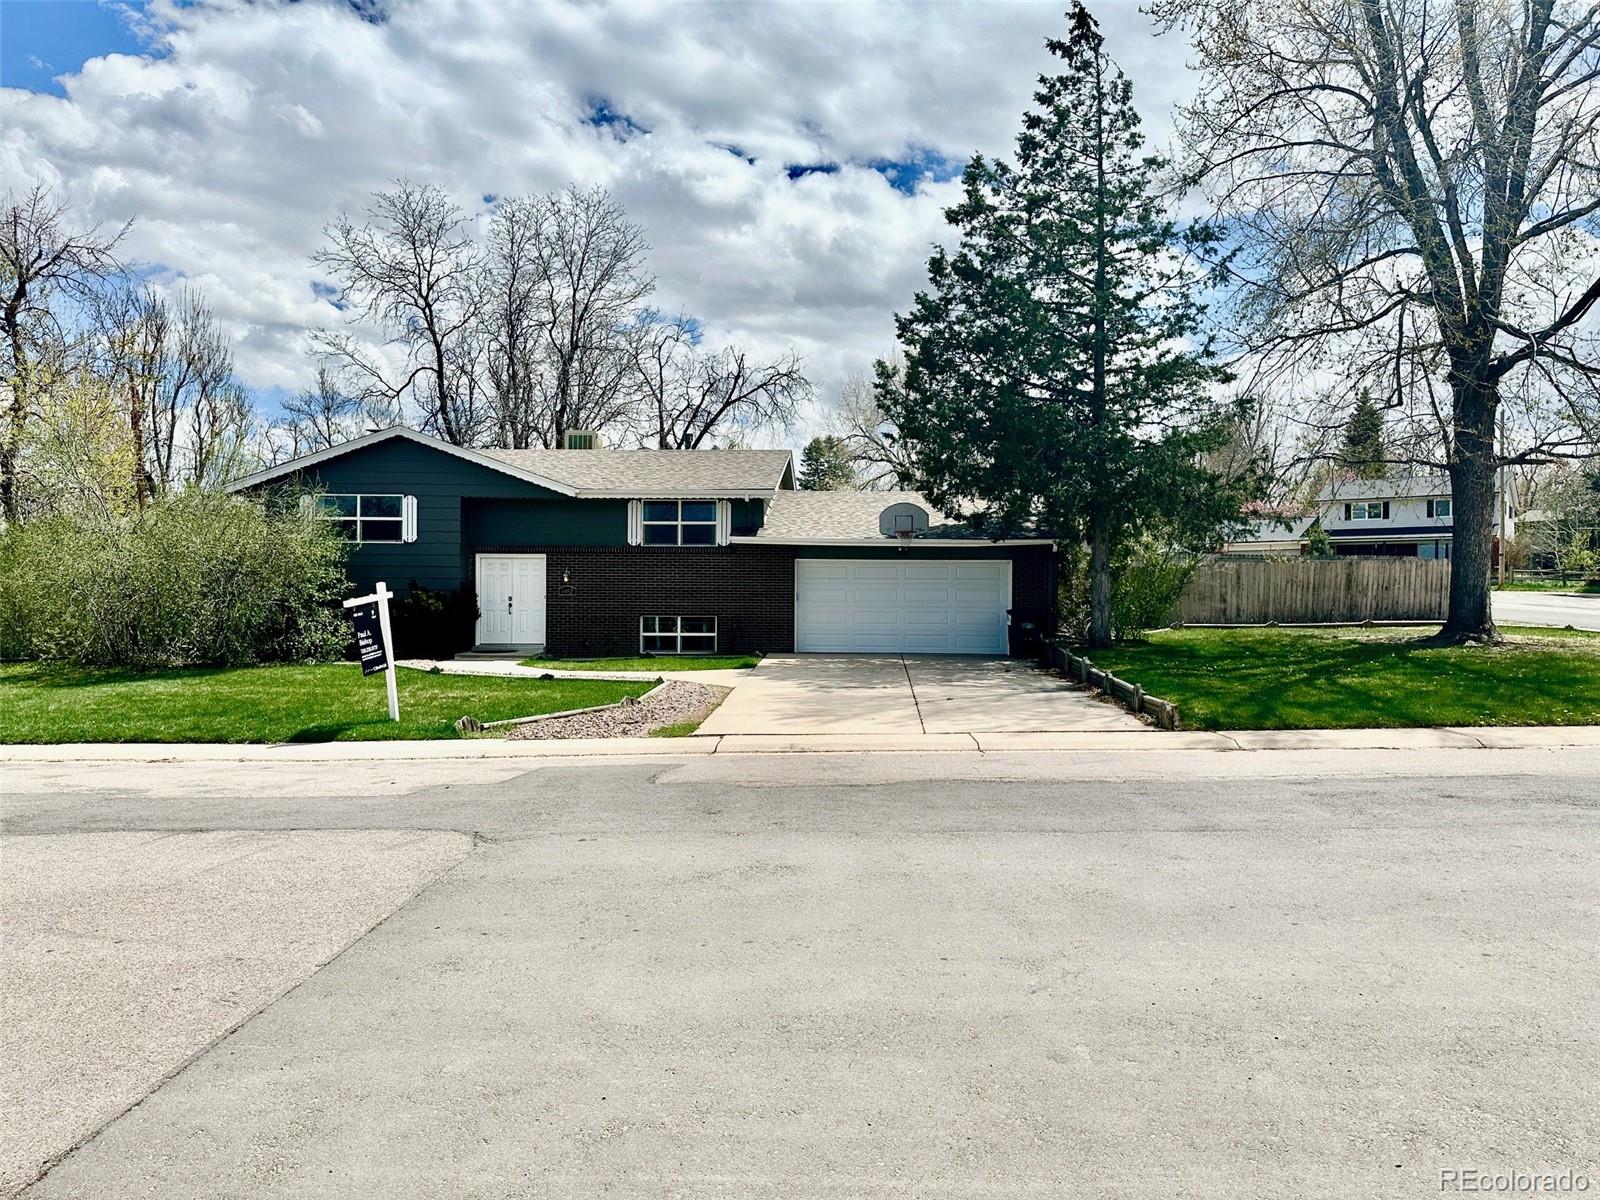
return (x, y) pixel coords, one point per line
(749, 589)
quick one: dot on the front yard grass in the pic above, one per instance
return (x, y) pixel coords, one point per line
(659, 662)
(1587, 588)
(45, 704)
(1364, 678)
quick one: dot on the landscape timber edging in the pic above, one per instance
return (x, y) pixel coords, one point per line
(1131, 694)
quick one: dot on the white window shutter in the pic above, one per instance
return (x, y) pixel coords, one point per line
(408, 519)
(308, 504)
(635, 522)
(724, 521)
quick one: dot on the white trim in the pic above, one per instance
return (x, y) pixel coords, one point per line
(408, 518)
(383, 435)
(678, 494)
(884, 543)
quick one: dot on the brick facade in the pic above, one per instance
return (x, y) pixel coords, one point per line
(596, 594)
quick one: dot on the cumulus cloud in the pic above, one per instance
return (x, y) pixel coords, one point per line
(250, 125)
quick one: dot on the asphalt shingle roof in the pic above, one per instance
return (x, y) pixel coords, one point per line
(836, 516)
(644, 473)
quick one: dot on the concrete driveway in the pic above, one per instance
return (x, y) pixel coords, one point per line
(799, 694)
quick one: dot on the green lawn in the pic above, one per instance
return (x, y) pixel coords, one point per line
(659, 662)
(1364, 678)
(327, 702)
(1546, 585)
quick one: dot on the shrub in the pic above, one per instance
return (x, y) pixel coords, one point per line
(430, 623)
(1148, 576)
(198, 578)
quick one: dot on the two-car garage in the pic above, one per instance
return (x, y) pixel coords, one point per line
(905, 605)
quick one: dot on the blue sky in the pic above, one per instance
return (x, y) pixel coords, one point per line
(43, 39)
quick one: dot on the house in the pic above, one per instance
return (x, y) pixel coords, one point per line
(596, 551)
(1407, 516)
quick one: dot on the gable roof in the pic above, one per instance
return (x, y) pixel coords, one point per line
(665, 473)
(588, 473)
(851, 516)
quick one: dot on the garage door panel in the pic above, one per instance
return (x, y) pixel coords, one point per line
(916, 607)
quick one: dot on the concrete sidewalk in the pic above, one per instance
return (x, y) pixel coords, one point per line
(1503, 737)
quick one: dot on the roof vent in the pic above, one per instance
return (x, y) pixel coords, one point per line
(581, 439)
(903, 520)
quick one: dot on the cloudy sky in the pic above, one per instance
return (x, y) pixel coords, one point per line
(788, 161)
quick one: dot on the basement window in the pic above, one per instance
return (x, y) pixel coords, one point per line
(678, 635)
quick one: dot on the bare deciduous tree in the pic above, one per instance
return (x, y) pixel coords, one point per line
(882, 460)
(322, 416)
(44, 259)
(689, 399)
(411, 269)
(1413, 186)
(586, 304)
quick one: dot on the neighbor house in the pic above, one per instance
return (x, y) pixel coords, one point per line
(599, 551)
(1407, 516)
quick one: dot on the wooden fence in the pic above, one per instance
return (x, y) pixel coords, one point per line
(1311, 591)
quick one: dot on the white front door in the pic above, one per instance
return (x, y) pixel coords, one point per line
(904, 605)
(511, 600)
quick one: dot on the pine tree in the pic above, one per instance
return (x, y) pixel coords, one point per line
(1054, 368)
(825, 465)
(1363, 451)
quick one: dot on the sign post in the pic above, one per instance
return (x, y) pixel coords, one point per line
(374, 643)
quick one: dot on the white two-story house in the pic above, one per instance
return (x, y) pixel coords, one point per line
(1407, 516)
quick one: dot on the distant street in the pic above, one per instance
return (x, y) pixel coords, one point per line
(1547, 608)
(1141, 974)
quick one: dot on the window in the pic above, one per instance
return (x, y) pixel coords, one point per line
(1367, 510)
(363, 518)
(678, 635)
(680, 522)
(1439, 508)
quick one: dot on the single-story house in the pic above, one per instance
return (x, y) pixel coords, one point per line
(600, 551)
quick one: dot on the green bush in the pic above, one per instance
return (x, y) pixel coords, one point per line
(432, 623)
(1147, 577)
(199, 578)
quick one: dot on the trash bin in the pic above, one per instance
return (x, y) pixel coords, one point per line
(1027, 632)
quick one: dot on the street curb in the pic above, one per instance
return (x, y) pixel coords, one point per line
(1546, 737)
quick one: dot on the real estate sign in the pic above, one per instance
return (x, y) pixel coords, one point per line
(373, 643)
(370, 648)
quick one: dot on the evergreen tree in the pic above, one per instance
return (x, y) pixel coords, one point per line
(1363, 451)
(825, 465)
(1053, 369)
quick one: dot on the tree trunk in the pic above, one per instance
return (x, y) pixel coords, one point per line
(1472, 479)
(1472, 549)
(1099, 580)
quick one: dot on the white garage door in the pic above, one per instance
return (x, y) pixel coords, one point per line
(906, 605)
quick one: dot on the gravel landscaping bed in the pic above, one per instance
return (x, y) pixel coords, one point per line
(676, 700)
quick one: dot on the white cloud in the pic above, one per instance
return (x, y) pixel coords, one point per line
(262, 120)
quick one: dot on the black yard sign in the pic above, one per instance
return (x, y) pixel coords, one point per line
(369, 639)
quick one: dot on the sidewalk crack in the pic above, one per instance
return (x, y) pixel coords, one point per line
(915, 703)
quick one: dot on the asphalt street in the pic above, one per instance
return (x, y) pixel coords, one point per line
(1160, 974)
(1547, 608)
